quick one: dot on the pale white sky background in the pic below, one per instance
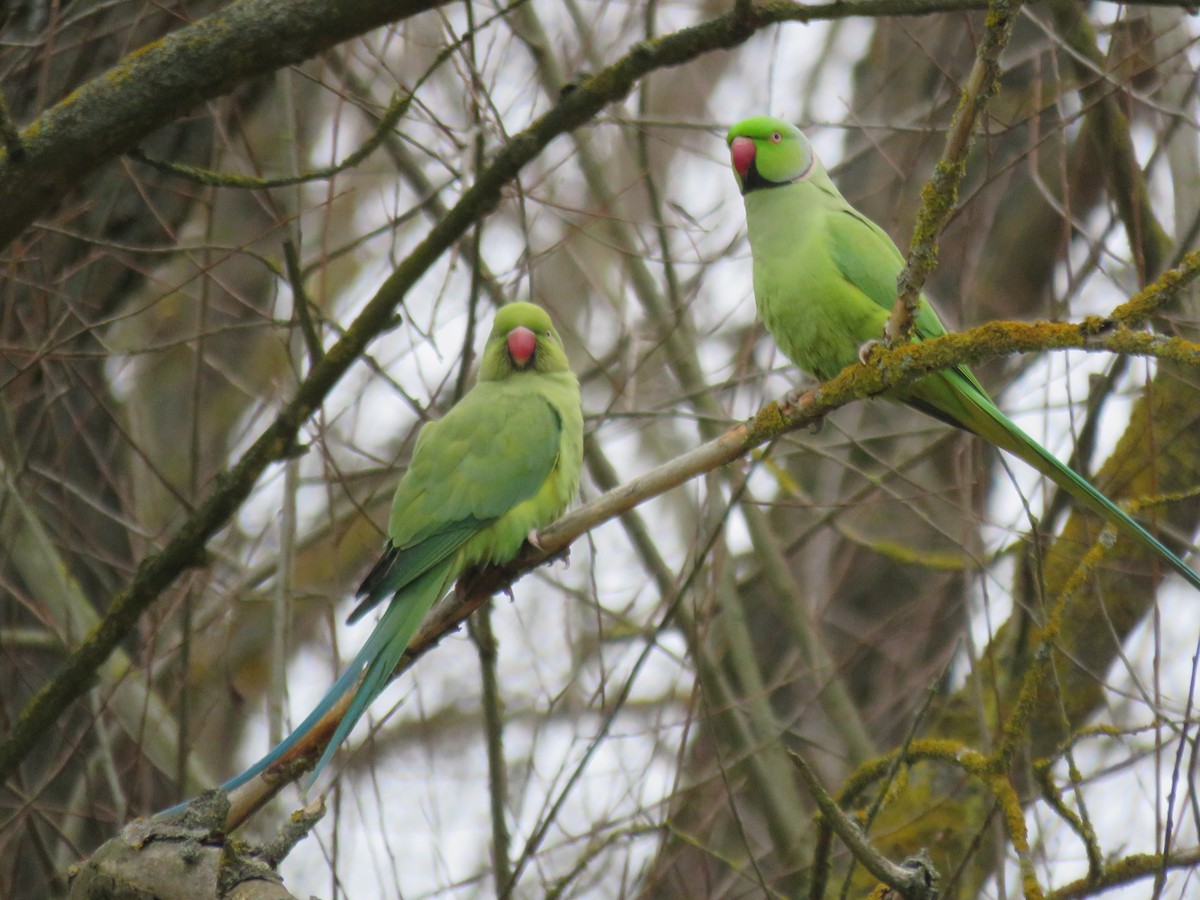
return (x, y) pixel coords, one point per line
(427, 818)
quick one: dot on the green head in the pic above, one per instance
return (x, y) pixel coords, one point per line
(768, 152)
(522, 340)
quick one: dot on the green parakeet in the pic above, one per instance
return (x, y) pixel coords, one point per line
(825, 282)
(503, 462)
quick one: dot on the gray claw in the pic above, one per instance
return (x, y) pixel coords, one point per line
(791, 401)
(864, 352)
(533, 539)
(792, 398)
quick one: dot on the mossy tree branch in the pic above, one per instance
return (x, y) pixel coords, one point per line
(161, 81)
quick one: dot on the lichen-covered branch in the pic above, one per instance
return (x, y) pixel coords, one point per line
(155, 84)
(165, 79)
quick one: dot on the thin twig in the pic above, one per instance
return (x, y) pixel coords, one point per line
(1109, 127)
(941, 191)
(301, 303)
(9, 135)
(484, 638)
(912, 883)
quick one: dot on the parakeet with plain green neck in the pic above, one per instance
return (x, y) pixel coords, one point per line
(825, 283)
(503, 462)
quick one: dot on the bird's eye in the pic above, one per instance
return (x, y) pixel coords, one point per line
(547, 332)
(776, 137)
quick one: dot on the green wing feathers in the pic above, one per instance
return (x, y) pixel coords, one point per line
(397, 568)
(450, 480)
(453, 492)
(869, 261)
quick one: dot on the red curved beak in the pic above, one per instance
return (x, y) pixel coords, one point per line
(521, 345)
(741, 151)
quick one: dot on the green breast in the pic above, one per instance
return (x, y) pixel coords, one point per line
(501, 541)
(818, 319)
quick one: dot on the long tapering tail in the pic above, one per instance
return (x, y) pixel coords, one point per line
(957, 400)
(366, 675)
